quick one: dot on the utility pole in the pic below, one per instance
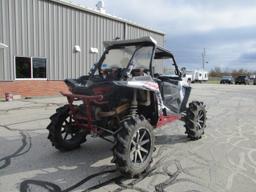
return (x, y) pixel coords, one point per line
(203, 58)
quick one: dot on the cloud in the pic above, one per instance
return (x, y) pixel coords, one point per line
(225, 28)
(215, 37)
(185, 16)
(247, 60)
(249, 57)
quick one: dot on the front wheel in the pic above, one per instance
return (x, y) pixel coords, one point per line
(63, 133)
(195, 120)
(134, 146)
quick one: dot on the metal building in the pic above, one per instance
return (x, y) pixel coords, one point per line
(41, 35)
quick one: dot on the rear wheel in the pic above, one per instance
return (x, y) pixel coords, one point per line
(63, 133)
(195, 120)
(134, 146)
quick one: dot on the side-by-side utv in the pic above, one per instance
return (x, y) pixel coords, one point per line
(122, 100)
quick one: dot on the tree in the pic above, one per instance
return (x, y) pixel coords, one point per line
(216, 72)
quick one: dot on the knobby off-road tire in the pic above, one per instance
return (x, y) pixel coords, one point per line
(63, 135)
(134, 146)
(195, 120)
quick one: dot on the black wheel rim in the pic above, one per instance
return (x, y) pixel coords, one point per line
(140, 146)
(68, 130)
(200, 120)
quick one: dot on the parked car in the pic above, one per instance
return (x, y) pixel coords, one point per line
(242, 79)
(227, 80)
(252, 79)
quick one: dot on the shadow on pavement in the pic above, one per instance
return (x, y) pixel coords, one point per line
(171, 139)
(84, 164)
(101, 175)
(84, 169)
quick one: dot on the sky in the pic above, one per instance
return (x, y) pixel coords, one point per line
(225, 28)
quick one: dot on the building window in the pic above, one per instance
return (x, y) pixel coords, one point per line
(39, 68)
(30, 68)
(23, 67)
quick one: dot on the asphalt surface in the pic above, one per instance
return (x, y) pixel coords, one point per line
(223, 160)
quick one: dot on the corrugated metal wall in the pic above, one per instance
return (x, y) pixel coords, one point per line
(42, 28)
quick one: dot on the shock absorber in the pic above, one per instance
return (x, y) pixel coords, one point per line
(134, 104)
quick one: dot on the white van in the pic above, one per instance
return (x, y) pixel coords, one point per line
(197, 75)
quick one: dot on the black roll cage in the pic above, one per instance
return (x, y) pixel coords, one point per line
(157, 53)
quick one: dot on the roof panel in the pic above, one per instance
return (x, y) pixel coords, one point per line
(132, 41)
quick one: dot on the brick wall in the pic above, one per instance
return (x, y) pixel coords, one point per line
(32, 87)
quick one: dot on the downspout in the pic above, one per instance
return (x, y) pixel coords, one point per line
(125, 30)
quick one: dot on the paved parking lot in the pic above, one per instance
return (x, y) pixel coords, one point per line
(223, 160)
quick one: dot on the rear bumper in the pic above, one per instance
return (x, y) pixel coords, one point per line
(88, 101)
